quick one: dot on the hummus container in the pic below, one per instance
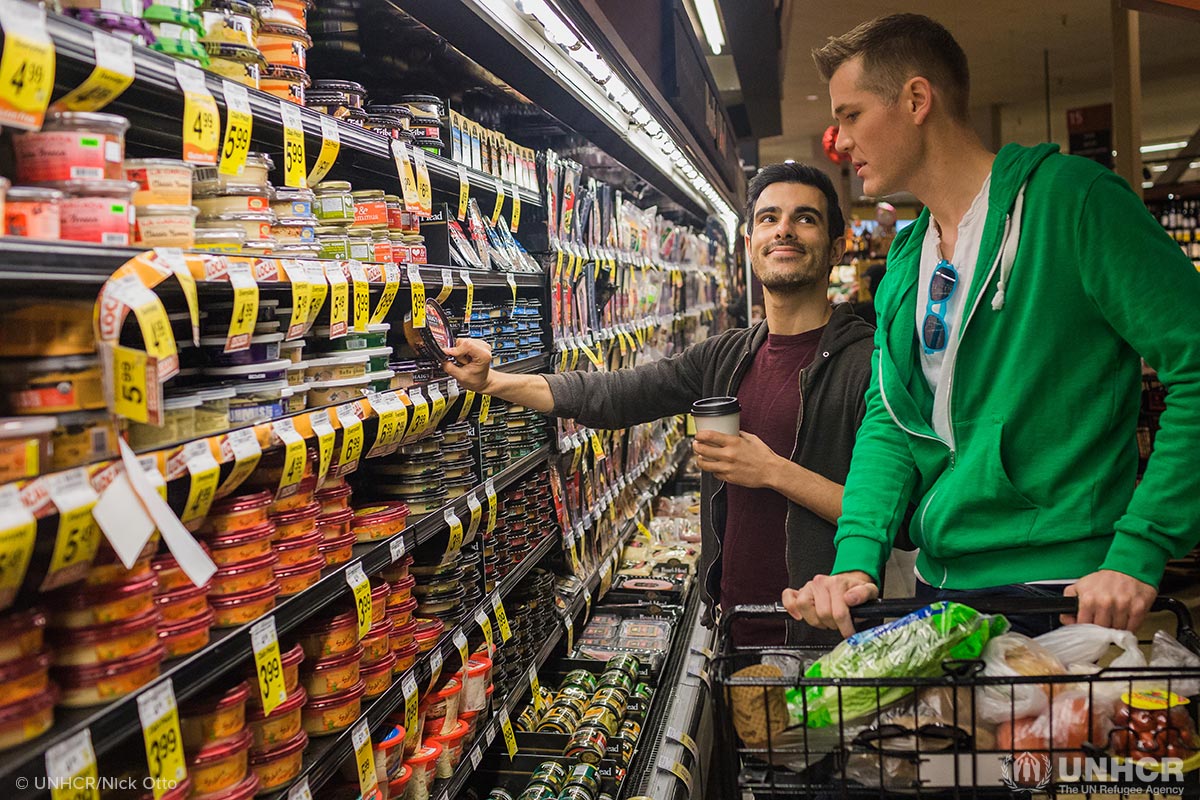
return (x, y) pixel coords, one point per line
(165, 226)
(237, 547)
(293, 204)
(280, 726)
(293, 351)
(427, 634)
(96, 684)
(370, 209)
(24, 678)
(289, 231)
(215, 718)
(377, 677)
(97, 211)
(295, 578)
(186, 636)
(25, 446)
(389, 754)
(263, 350)
(397, 571)
(22, 634)
(100, 605)
(479, 680)
(378, 522)
(401, 613)
(303, 496)
(244, 790)
(337, 367)
(56, 385)
(377, 643)
(221, 766)
(404, 634)
(109, 642)
(257, 402)
(333, 500)
(170, 575)
(185, 603)
(286, 45)
(423, 764)
(332, 674)
(329, 637)
(232, 611)
(323, 393)
(298, 549)
(332, 243)
(338, 551)
(280, 765)
(422, 504)
(452, 748)
(379, 358)
(239, 64)
(443, 705)
(216, 201)
(243, 576)
(268, 372)
(161, 181)
(295, 398)
(431, 341)
(239, 512)
(336, 525)
(179, 413)
(34, 213)
(231, 21)
(286, 83)
(72, 146)
(406, 657)
(335, 713)
(28, 719)
(212, 415)
(297, 522)
(227, 241)
(255, 227)
(398, 787)
(290, 660)
(402, 590)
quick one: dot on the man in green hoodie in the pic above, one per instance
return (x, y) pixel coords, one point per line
(1005, 380)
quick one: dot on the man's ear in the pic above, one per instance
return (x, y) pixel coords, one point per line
(917, 98)
(837, 251)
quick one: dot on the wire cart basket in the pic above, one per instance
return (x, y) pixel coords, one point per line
(1126, 731)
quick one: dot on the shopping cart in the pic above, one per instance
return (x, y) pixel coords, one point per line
(941, 738)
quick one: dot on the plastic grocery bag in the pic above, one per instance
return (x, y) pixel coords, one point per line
(912, 646)
(1008, 656)
(1065, 724)
(1167, 652)
(1086, 644)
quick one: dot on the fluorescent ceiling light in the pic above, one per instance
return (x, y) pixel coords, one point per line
(710, 21)
(1159, 148)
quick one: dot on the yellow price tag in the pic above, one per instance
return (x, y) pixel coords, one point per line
(680, 771)
(302, 296)
(510, 738)
(205, 473)
(437, 402)
(201, 136)
(464, 652)
(597, 447)
(485, 405)
(362, 296)
(239, 125)
(78, 535)
(293, 145)
(512, 285)
(391, 286)
(575, 563)
(245, 307)
(420, 415)
(569, 624)
(326, 435)
(593, 356)
(18, 532)
(134, 378)
(476, 509)
(468, 403)
(294, 456)
(352, 439)
(643, 530)
(418, 295)
(489, 489)
(501, 618)
(562, 361)
(71, 767)
(320, 289)
(447, 285)
(339, 301)
(516, 212)
(424, 189)
(159, 716)
(364, 754)
(464, 192)
(499, 201)
(391, 412)
(331, 144)
(411, 705)
(485, 625)
(267, 663)
(470, 284)
(112, 75)
(241, 445)
(357, 580)
(408, 182)
(456, 531)
(26, 66)
(536, 689)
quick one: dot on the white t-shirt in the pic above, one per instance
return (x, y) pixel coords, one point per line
(966, 253)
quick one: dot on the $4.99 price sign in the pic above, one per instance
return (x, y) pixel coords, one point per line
(201, 137)
(159, 716)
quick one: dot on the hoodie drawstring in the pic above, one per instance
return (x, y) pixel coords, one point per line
(1008, 251)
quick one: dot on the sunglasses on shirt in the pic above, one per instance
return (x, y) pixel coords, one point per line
(935, 331)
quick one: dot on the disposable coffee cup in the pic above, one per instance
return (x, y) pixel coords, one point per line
(720, 414)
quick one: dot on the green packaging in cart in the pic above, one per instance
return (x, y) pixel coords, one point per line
(910, 647)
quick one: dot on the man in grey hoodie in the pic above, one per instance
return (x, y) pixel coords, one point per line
(772, 494)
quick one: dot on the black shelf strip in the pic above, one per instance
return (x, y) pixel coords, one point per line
(113, 724)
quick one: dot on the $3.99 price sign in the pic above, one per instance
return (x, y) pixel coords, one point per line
(159, 716)
(268, 664)
(357, 579)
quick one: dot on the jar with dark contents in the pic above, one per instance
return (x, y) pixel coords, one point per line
(538, 792)
(585, 776)
(620, 749)
(588, 744)
(559, 719)
(627, 663)
(611, 698)
(550, 774)
(617, 679)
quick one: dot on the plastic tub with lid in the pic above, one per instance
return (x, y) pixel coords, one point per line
(71, 146)
(335, 713)
(187, 602)
(161, 181)
(104, 682)
(165, 226)
(24, 446)
(255, 227)
(256, 173)
(338, 551)
(423, 763)
(332, 674)
(221, 766)
(212, 415)
(323, 393)
(281, 725)
(100, 605)
(105, 642)
(236, 547)
(295, 578)
(214, 717)
(24, 678)
(230, 22)
(285, 45)
(257, 402)
(228, 241)
(244, 576)
(336, 635)
(238, 512)
(97, 211)
(179, 423)
(238, 609)
(452, 749)
(33, 212)
(280, 765)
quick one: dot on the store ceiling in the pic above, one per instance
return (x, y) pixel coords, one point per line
(1004, 41)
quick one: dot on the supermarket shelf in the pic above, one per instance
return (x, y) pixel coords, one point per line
(113, 724)
(154, 106)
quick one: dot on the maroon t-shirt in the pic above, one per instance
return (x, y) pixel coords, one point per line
(753, 560)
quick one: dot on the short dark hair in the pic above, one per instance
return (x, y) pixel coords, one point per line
(896, 48)
(797, 173)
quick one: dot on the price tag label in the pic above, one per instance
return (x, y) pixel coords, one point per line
(320, 289)
(302, 296)
(437, 405)
(467, 404)
(326, 435)
(390, 410)
(536, 689)
(408, 181)
(512, 285)
(499, 201)
(464, 192)
(418, 295)
(244, 448)
(510, 738)
(268, 664)
(689, 744)
(300, 791)
(245, 307)
(516, 212)
(411, 703)
(339, 301)
(466, 279)
(574, 553)
(476, 509)
(78, 536)
(447, 285)
(456, 531)
(205, 473)
(362, 295)
(597, 447)
(293, 145)
(435, 666)
(485, 625)
(160, 731)
(489, 489)
(331, 144)
(71, 767)
(18, 532)
(420, 415)
(26, 66)
(352, 439)
(391, 287)
(357, 580)
(239, 124)
(501, 618)
(476, 757)
(396, 548)
(569, 624)
(424, 188)
(112, 75)
(485, 406)
(606, 578)
(464, 652)
(364, 755)
(680, 771)
(293, 457)
(201, 136)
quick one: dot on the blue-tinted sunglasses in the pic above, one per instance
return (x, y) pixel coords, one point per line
(935, 331)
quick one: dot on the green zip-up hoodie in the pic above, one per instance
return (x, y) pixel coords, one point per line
(1074, 280)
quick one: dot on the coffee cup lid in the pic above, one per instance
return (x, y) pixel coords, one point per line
(716, 407)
